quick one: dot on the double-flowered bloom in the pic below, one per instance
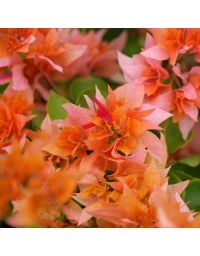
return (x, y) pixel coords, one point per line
(116, 128)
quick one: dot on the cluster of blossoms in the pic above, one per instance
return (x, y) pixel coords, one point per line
(31, 59)
(168, 67)
(104, 165)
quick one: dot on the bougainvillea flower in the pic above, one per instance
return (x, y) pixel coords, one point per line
(64, 139)
(14, 40)
(177, 41)
(15, 112)
(118, 124)
(100, 57)
(191, 77)
(177, 92)
(186, 101)
(186, 111)
(135, 195)
(124, 198)
(141, 69)
(14, 171)
(36, 190)
(52, 52)
(172, 212)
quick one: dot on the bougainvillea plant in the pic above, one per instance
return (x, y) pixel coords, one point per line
(99, 128)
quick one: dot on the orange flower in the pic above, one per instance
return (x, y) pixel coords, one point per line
(60, 187)
(15, 40)
(14, 114)
(171, 39)
(35, 189)
(133, 195)
(15, 171)
(176, 41)
(52, 52)
(69, 141)
(118, 125)
(122, 196)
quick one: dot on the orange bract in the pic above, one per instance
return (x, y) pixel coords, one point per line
(176, 40)
(123, 197)
(171, 39)
(14, 113)
(171, 212)
(15, 40)
(35, 188)
(68, 142)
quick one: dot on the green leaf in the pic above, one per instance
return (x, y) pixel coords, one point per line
(55, 106)
(134, 43)
(63, 87)
(94, 222)
(80, 87)
(173, 137)
(3, 87)
(174, 178)
(155, 132)
(37, 120)
(132, 47)
(192, 195)
(192, 161)
(183, 172)
(113, 33)
(188, 169)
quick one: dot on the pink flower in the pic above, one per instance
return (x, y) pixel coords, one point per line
(186, 103)
(145, 68)
(99, 58)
